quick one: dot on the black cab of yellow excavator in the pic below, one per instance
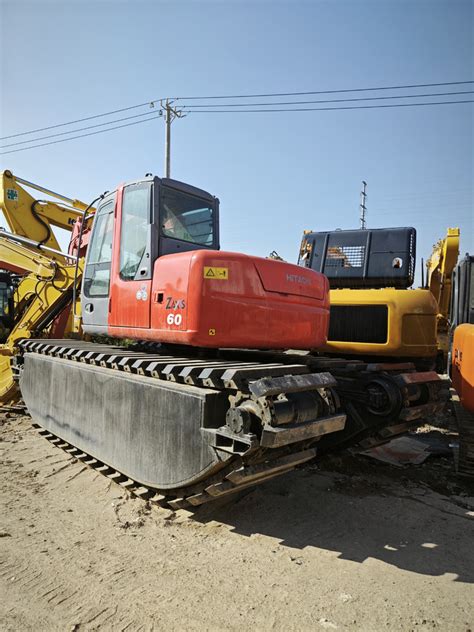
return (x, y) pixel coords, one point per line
(374, 258)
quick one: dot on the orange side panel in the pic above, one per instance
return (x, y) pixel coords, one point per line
(463, 365)
(208, 298)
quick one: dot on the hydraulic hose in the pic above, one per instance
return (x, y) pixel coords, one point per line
(40, 220)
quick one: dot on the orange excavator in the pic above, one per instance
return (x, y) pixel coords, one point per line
(462, 360)
(199, 397)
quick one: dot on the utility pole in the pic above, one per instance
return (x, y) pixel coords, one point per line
(171, 113)
(363, 208)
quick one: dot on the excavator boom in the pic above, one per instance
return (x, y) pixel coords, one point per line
(34, 218)
(439, 268)
(45, 274)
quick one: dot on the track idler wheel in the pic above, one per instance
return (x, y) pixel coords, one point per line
(292, 408)
(274, 419)
(240, 420)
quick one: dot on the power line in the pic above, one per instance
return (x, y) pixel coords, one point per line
(101, 131)
(245, 96)
(190, 108)
(348, 107)
(401, 96)
(80, 129)
(81, 120)
(298, 94)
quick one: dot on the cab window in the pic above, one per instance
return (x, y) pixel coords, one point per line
(186, 217)
(97, 275)
(135, 228)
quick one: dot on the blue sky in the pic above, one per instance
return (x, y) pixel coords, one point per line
(275, 174)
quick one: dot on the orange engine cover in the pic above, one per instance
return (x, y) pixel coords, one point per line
(208, 298)
(463, 365)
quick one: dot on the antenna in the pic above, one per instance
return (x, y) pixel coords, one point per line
(363, 208)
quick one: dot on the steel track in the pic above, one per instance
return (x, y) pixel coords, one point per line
(230, 371)
(233, 477)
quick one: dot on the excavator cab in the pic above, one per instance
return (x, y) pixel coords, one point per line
(155, 217)
(154, 271)
(376, 258)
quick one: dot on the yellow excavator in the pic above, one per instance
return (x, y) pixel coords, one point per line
(375, 313)
(38, 278)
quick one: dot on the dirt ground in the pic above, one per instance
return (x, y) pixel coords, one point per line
(352, 544)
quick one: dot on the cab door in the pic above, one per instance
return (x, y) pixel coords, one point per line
(96, 280)
(129, 306)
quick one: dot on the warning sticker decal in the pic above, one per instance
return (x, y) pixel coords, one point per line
(221, 274)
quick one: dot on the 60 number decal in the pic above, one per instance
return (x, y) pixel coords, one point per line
(174, 319)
